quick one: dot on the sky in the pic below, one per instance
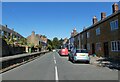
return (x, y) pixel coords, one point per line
(53, 19)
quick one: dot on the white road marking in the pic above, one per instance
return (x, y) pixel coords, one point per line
(54, 57)
(55, 61)
(56, 74)
(56, 71)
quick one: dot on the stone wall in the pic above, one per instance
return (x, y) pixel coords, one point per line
(7, 50)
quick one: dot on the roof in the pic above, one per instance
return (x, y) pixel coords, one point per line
(108, 17)
(92, 26)
(9, 30)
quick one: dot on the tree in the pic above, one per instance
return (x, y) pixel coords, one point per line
(60, 42)
(49, 42)
(9, 40)
(49, 47)
(30, 44)
(55, 43)
(22, 41)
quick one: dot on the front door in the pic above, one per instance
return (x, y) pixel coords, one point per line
(93, 48)
(106, 49)
(85, 46)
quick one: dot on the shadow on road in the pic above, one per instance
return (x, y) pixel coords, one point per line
(110, 63)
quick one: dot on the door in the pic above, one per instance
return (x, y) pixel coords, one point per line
(106, 49)
(85, 46)
(93, 48)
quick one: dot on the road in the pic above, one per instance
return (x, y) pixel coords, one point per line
(51, 66)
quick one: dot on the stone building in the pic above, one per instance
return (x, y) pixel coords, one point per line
(71, 39)
(7, 49)
(74, 32)
(36, 40)
(102, 37)
(6, 32)
(65, 43)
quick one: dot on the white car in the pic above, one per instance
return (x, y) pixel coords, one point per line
(54, 50)
(79, 55)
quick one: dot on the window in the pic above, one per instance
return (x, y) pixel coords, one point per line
(118, 45)
(82, 47)
(98, 31)
(88, 46)
(115, 45)
(78, 44)
(2, 33)
(81, 51)
(114, 24)
(79, 37)
(98, 46)
(82, 36)
(88, 34)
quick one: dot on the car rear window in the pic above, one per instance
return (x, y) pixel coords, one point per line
(63, 50)
(81, 51)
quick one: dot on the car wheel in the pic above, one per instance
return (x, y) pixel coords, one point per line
(88, 62)
(73, 60)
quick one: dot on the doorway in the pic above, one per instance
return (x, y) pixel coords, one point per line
(93, 48)
(106, 49)
(85, 46)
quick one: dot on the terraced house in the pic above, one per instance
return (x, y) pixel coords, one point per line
(103, 37)
(6, 32)
(71, 40)
(37, 40)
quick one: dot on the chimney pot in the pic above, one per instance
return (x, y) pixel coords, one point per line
(6, 26)
(103, 15)
(84, 28)
(95, 20)
(115, 7)
(33, 32)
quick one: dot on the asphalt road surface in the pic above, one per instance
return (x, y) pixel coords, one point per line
(51, 66)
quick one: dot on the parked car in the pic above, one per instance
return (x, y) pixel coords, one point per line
(54, 50)
(64, 52)
(79, 55)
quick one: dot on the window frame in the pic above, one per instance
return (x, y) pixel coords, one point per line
(82, 36)
(88, 46)
(115, 45)
(88, 34)
(114, 25)
(98, 31)
(98, 46)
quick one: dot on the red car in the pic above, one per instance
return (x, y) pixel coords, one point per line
(63, 52)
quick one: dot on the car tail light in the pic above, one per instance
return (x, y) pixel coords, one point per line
(89, 54)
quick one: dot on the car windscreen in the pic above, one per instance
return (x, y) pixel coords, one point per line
(81, 51)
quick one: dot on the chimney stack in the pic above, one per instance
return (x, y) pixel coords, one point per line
(115, 7)
(33, 32)
(84, 28)
(6, 26)
(74, 30)
(71, 33)
(95, 20)
(103, 15)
